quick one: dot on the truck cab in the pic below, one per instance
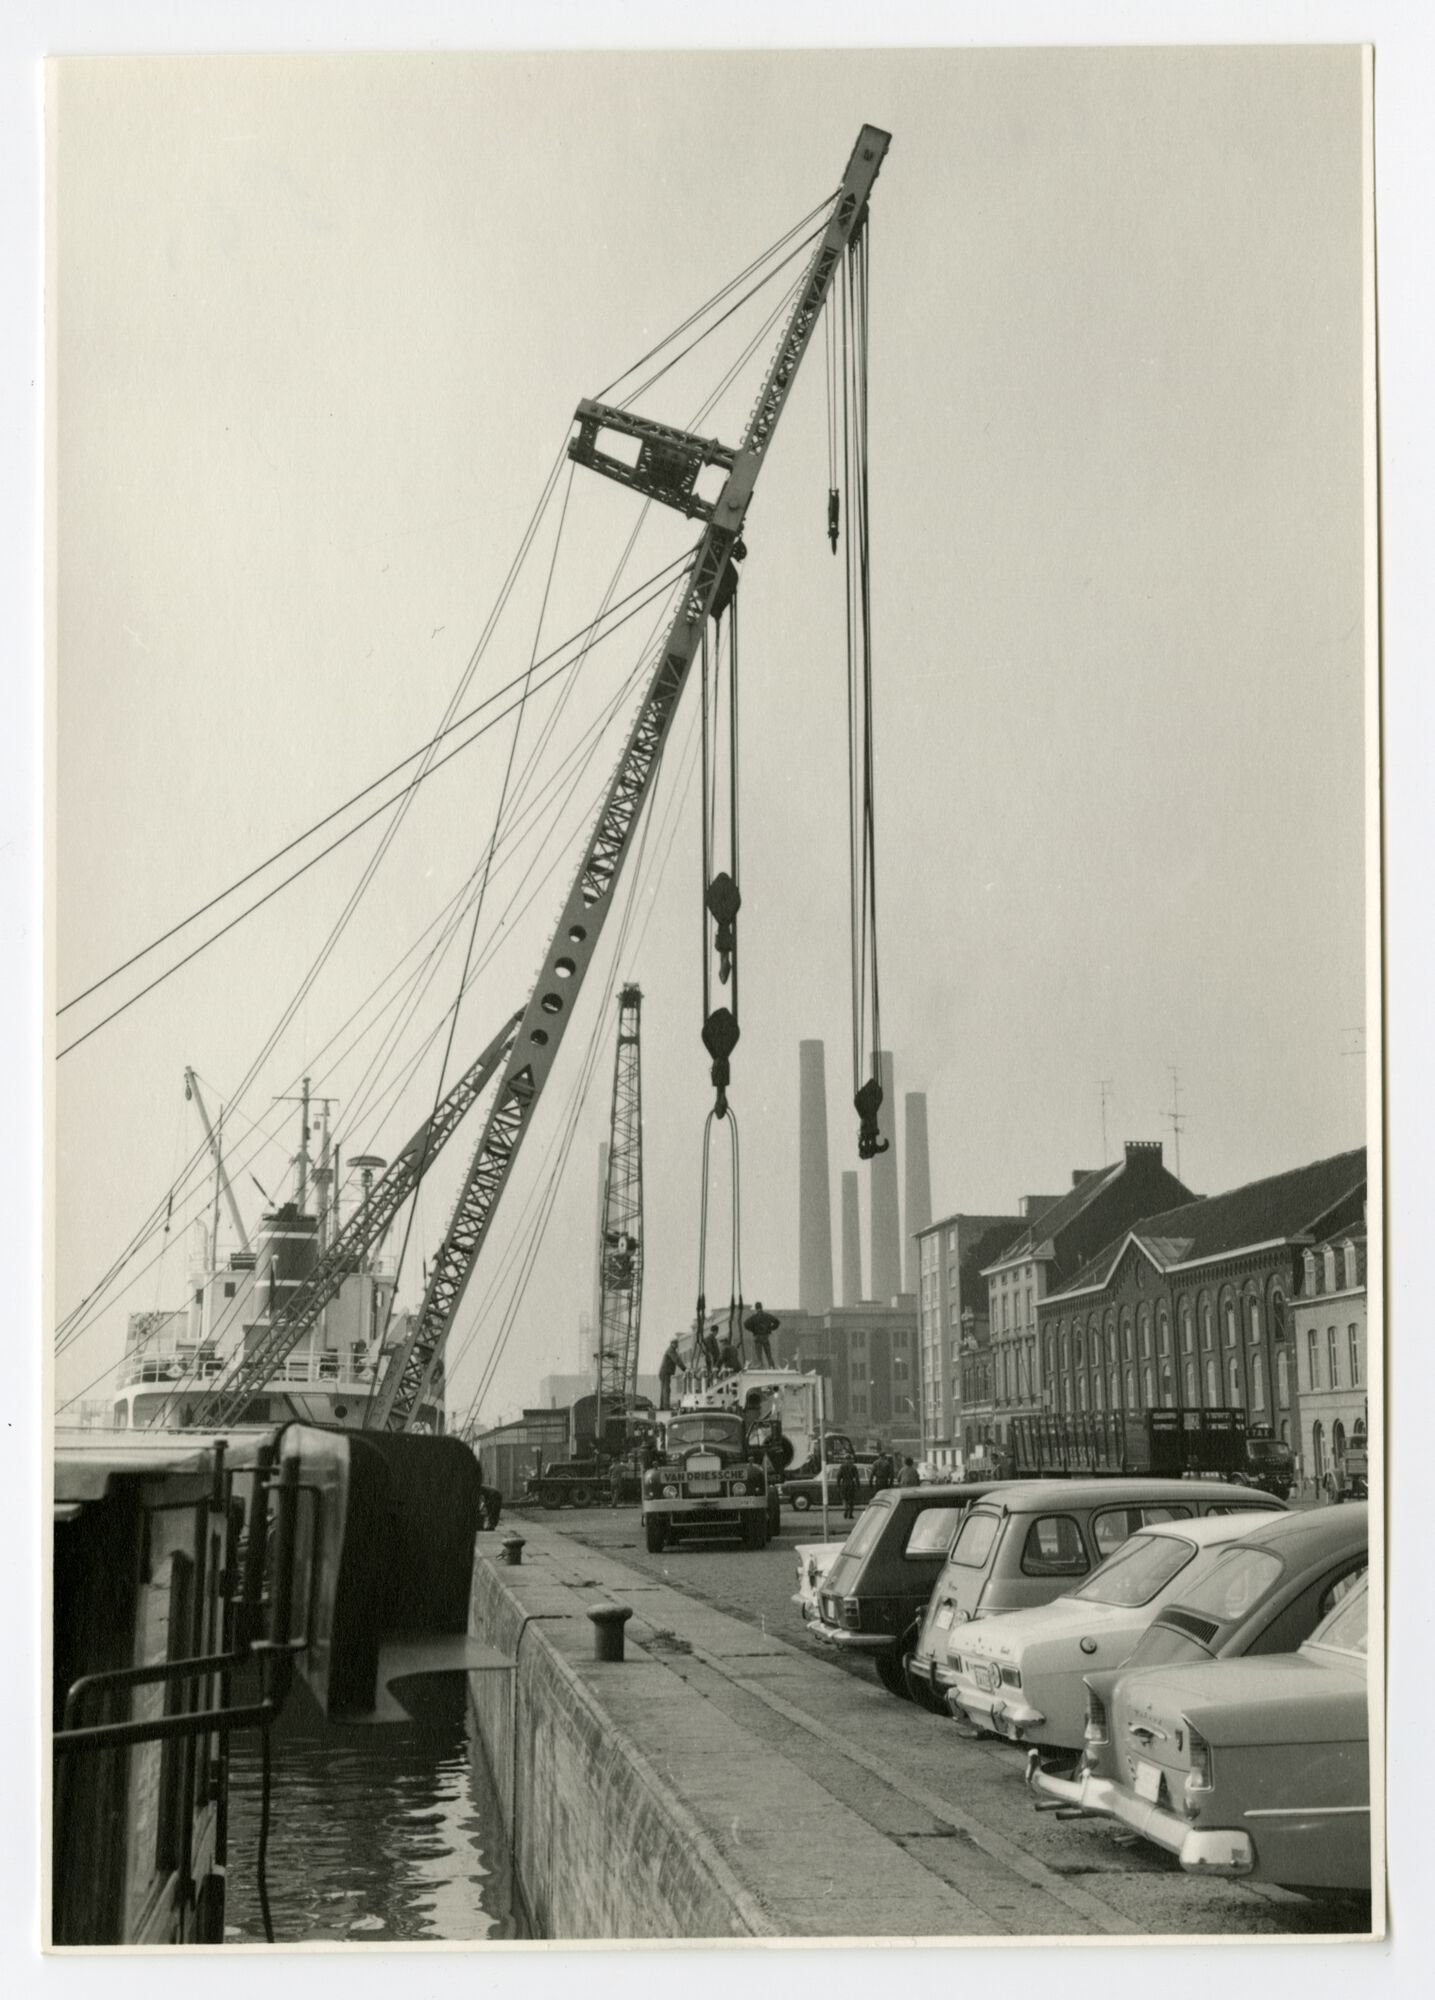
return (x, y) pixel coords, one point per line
(707, 1478)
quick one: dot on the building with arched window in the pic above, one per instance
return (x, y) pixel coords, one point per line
(1331, 1352)
(1216, 1278)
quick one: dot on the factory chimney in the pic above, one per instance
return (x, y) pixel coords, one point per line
(814, 1199)
(851, 1242)
(917, 1184)
(886, 1264)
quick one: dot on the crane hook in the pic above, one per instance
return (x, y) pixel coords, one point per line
(724, 900)
(867, 1103)
(720, 1033)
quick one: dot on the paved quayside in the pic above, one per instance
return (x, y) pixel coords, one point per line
(801, 1800)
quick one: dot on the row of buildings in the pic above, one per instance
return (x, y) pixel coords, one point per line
(1129, 1293)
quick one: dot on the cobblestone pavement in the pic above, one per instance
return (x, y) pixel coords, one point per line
(922, 1756)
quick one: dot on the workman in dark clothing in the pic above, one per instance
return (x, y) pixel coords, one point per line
(668, 1367)
(882, 1472)
(762, 1326)
(491, 1505)
(908, 1476)
(712, 1350)
(615, 1483)
(847, 1486)
(729, 1359)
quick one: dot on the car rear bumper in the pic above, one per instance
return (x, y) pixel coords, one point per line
(1003, 1711)
(1200, 1851)
(853, 1642)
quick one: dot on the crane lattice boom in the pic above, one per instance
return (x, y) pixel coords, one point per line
(621, 1248)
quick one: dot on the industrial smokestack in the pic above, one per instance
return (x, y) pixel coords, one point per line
(588, 1336)
(814, 1198)
(886, 1265)
(917, 1187)
(851, 1242)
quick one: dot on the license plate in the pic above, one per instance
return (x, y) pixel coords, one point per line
(944, 1617)
(1148, 1781)
(987, 1678)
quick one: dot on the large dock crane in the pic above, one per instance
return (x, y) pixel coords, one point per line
(668, 467)
(621, 1249)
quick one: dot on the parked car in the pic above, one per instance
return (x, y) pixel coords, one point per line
(1257, 1766)
(1025, 1543)
(871, 1599)
(1021, 1675)
(1266, 1595)
(804, 1491)
(814, 1560)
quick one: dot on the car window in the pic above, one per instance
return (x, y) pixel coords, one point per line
(1295, 1622)
(1347, 1626)
(1139, 1569)
(1238, 1581)
(865, 1533)
(932, 1531)
(974, 1539)
(1110, 1528)
(1053, 1547)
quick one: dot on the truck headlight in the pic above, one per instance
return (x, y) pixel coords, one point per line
(670, 1492)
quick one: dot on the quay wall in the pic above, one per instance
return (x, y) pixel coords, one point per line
(601, 1843)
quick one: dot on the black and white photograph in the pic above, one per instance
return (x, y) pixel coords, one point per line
(715, 1165)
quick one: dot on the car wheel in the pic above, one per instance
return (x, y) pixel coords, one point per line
(550, 1497)
(892, 1672)
(800, 1503)
(655, 1534)
(582, 1496)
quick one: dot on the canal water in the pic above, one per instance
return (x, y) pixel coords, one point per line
(376, 1835)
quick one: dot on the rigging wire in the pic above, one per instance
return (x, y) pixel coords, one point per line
(719, 296)
(145, 1230)
(69, 1331)
(405, 791)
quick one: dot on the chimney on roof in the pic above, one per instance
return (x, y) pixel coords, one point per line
(918, 1184)
(851, 1242)
(814, 1192)
(1143, 1149)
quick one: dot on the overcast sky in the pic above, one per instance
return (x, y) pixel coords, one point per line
(321, 328)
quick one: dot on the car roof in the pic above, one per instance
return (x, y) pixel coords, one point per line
(1307, 1536)
(1027, 1495)
(1207, 1528)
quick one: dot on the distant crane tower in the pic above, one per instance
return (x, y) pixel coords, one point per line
(621, 1248)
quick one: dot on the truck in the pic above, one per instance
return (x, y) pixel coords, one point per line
(1157, 1443)
(603, 1431)
(721, 1454)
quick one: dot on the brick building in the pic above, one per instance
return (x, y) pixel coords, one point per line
(1330, 1359)
(1189, 1306)
(1047, 1255)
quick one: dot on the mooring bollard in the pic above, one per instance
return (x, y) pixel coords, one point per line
(608, 1622)
(512, 1546)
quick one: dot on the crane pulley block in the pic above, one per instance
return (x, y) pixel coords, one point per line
(668, 464)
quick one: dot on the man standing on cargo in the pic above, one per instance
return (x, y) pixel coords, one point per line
(762, 1326)
(667, 1368)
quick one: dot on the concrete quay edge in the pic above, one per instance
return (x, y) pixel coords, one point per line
(688, 1794)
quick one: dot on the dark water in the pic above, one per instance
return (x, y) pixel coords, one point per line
(379, 1834)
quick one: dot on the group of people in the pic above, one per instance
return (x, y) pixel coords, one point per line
(715, 1355)
(885, 1472)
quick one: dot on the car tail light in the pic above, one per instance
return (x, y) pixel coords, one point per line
(852, 1613)
(1200, 1777)
(1097, 1728)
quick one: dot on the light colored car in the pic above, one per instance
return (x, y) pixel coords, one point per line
(1032, 1540)
(814, 1560)
(1021, 1676)
(1257, 1766)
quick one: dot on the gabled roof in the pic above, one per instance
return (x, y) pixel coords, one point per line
(1044, 1228)
(1294, 1204)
